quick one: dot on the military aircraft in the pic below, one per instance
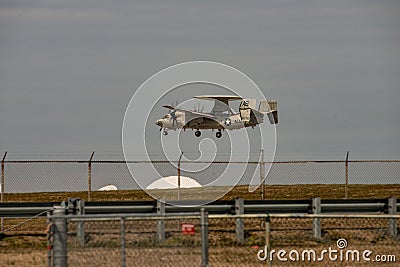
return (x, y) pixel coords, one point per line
(221, 116)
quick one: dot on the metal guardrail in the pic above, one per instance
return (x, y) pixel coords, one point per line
(326, 206)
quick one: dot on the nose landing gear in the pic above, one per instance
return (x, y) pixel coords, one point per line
(197, 133)
(218, 134)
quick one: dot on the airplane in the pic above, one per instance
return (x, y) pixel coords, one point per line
(221, 116)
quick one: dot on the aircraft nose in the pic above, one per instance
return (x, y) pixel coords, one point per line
(160, 122)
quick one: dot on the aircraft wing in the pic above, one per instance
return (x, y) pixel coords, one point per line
(191, 112)
(198, 114)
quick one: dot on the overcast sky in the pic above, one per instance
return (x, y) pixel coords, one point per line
(69, 68)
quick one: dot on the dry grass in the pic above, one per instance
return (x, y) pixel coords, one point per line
(301, 191)
(23, 257)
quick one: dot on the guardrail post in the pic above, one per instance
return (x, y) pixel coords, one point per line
(392, 209)
(76, 206)
(316, 209)
(161, 223)
(60, 238)
(204, 237)
(80, 230)
(239, 209)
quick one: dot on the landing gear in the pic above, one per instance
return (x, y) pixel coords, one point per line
(165, 132)
(197, 133)
(218, 134)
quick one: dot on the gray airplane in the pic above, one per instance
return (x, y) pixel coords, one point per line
(221, 116)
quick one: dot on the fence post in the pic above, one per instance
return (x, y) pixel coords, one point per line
(160, 223)
(204, 237)
(90, 176)
(179, 177)
(49, 237)
(262, 173)
(239, 210)
(346, 186)
(316, 209)
(268, 239)
(60, 238)
(392, 209)
(123, 260)
(2, 186)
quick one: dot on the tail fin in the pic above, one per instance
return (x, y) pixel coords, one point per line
(271, 108)
(273, 104)
(263, 107)
(273, 116)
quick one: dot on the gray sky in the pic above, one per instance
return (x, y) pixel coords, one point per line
(69, 68)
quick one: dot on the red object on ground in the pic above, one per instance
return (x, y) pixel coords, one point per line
(188, 229)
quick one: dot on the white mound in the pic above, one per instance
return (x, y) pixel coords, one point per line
(109, 187)
(172, 182)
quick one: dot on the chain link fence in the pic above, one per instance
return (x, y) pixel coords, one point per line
(364, 241)
(133, 243)
(213, 240)
(67, 176)
(231, 240)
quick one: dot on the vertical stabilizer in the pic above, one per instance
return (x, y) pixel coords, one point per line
(263, 107)
(273, 113)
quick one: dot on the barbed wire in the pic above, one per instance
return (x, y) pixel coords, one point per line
(26, 221)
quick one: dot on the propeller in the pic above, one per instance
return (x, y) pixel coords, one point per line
(168, 107)
(174, 103)
(198, 109)
(172, 112)
(173, 115)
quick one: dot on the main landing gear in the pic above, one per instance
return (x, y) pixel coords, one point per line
(218, 134)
